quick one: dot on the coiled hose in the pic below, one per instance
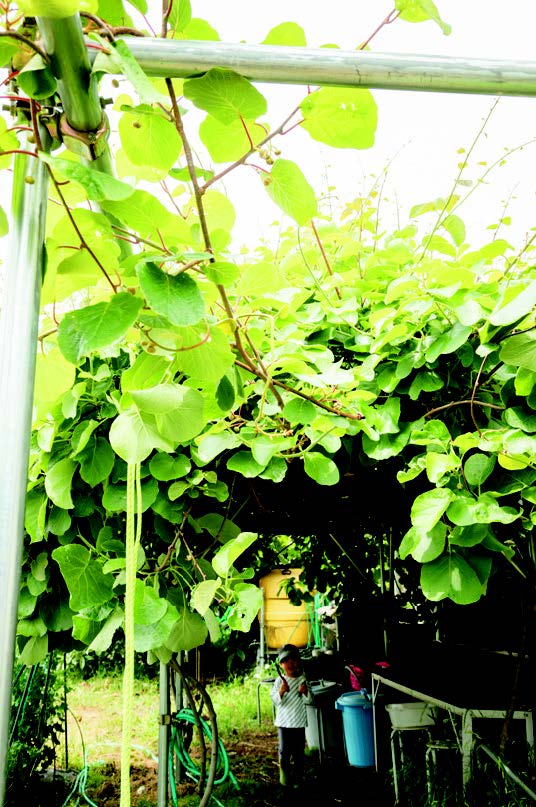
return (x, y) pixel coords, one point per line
(178, 750)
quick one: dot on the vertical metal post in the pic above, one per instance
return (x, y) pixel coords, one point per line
(19, 317)
(163, 736)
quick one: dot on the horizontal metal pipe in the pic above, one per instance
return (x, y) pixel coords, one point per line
(508, 771)
(331, 66)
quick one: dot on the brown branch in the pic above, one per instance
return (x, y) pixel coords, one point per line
(334, 410)
(470, 401)
(27, 42)
(324, 256)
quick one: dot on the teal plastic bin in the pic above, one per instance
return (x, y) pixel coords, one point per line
(358, 726)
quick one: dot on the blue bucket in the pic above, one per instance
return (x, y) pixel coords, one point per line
(358, 725)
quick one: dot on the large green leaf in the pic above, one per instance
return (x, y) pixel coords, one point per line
(97, 184)
(478, 467)
(149, 138)
(248, 604)
(320, 468)
(189, 631)
(341, 117)
(36, 79)
(225, 95)
(420, 11)
(428, 508)
(84, 577)
(229, 142)
(85, 330)
(166, 467)
(520, 350)
(58, 481)
(225, 557)
(288, 188)
(178, 410)
(146, 215)
(518, 301)
(177, 297)
(203, 594)
(286, 33)
(244, 463)
(133, 436)
(464, 510)
(97, 461)
(451, 576)
(424, 545)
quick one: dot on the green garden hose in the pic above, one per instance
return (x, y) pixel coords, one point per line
(177, 749)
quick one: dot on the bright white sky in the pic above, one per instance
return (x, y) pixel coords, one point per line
(418, 133)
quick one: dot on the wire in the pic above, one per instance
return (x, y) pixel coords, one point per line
(177, 748)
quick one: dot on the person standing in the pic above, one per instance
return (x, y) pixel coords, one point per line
(290, 696)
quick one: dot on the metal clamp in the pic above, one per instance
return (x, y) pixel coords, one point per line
(89, 145)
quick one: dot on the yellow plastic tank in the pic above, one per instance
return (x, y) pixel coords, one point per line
(284, 623)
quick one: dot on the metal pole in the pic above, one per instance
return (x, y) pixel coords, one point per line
(19, 318)
(163, 736)
(321, 66)
(64, 43)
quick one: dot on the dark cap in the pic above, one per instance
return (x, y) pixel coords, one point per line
(288, 651)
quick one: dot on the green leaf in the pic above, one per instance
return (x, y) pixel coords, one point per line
(464, 510)
(180, 15)
(423, 545)
(87, 584)
(419, 11)
(341, 117)
(225, 95)
(243, 463)
(520, 351)
(225, 557)
(248, 604)
(96, 326)
(147, 371)
(133, 72)
(428, 508)
(97, 184)
(286, 33)
(209, 360)
(149, 138)
(8, 48)
(165, 467)
(299, 410)
(451, 576)
(97, 462)
(320, 468)
(35, 515)
(178, 410)
(58, 481)
(288, 188)
(469, 536)
(229, 142)
(34, 651)
(147, 216)
(148, 606)
(478, 467)
(36, 79)
(59, 521)
(177, 297)
(448, 342)
(115, 497)
(211, 445)
(55, 9)
(103, 638)
(520, 301)
(203, 594)
(134, 436)
(225, 394)
(189, 631)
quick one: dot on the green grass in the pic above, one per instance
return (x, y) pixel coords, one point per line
(94, 721)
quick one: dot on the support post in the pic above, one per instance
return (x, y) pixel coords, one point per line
(163, 736)
(19, 318)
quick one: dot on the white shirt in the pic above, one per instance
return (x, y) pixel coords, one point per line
(291, 711)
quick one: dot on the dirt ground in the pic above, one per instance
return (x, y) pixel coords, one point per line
(253, 762)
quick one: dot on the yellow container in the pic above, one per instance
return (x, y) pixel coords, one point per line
(284, 623)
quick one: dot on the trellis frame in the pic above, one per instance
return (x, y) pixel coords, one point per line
(84, 122)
